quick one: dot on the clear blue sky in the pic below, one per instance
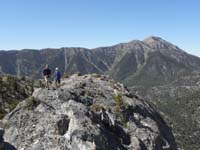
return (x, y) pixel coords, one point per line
(91, 23)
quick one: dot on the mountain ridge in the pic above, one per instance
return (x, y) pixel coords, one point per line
(159, 71)
(103, 60)
(148, 40)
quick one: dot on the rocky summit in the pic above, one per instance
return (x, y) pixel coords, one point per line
(89, 112)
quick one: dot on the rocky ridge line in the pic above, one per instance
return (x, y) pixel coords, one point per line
(85, 113)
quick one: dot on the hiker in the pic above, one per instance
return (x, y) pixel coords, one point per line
(57, 77)
(47, 74)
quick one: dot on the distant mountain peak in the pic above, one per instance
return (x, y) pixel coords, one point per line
(154, 40)
(159, 43)
(155, 37)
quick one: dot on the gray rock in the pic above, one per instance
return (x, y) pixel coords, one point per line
(86, 113)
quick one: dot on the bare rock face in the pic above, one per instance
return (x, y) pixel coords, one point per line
(87, 112)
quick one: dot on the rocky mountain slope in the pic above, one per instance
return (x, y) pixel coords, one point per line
(179, 104)
(12, 91)
(155, 69)
(84, 113)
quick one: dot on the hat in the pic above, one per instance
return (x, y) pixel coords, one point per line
(56, 68)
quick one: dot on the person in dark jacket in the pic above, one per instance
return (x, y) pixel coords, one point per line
(57, 77)
(47, 75)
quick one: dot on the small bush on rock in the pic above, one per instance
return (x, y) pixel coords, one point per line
(119, 106)
(96, 108)
(32, 103)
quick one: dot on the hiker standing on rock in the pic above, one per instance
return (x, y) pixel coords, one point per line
(57, 77)
(46, 75)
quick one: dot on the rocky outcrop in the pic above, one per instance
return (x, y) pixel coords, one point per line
(86, 113)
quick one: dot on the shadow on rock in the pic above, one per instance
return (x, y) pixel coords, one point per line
(7, 146)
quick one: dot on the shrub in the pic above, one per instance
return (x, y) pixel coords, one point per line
(119, 106)
(12, 104)
(32, 103)
(97, 108)
(78, 73)
(65, 75)
(96, 75)
(2, 112)
(118, 103)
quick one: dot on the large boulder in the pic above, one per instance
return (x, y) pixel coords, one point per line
(86, 113)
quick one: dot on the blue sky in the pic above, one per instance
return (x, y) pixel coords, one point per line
(40, 24)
